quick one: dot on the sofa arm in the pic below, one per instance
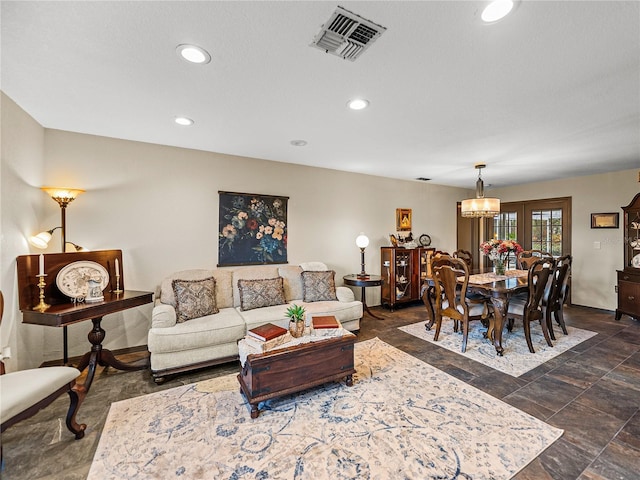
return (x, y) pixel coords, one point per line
(345, 294)
(163, 316)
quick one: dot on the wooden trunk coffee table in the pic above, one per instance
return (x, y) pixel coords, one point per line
(292, 369)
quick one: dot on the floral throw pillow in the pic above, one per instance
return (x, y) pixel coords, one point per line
(261, 293)
(194, 298)
(318, 286)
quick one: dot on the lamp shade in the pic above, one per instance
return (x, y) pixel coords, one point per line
(480, 207)
(41, 240)
(63, 195)
(362, 241)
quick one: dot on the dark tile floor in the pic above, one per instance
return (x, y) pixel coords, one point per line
(591, 391)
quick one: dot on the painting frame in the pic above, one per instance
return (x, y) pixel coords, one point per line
(605, 220)
(252, 229)
(403, 219)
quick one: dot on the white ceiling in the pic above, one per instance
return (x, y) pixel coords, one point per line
(551, 91)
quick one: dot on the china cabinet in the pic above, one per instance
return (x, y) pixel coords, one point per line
(403, 271)
(629, 276)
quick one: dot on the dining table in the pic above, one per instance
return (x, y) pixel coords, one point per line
(498, 288)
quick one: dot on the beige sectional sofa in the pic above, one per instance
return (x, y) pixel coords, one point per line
(177, 346)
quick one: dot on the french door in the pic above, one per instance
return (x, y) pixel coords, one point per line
(535, 224)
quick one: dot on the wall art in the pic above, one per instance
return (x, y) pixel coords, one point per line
(252, 229)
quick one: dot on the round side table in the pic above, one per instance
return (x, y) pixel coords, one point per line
(369, 281)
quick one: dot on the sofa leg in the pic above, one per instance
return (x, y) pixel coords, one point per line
(159, 380)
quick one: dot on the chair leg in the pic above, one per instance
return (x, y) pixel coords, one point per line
(438, 325)
(545, 331)
(560, 319)
(549, 323)
(76, 394)
(527, 335)
(465, 334)
(510, 325)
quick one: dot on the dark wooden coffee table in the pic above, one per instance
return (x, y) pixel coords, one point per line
(293, 369)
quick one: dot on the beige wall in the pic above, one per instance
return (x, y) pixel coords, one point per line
(593, 269)
(160, 206)
(21, 173)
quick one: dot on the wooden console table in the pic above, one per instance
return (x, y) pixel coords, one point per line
(63, 312)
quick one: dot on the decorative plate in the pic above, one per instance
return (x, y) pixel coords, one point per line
(73, 279)
(635, 261)
(425, 240)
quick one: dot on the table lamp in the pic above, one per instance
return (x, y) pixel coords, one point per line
(362, 241)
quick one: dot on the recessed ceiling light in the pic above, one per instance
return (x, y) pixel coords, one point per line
(496, 10)
(358, 104)
(193, 53)
(183, 121)
(298, 143)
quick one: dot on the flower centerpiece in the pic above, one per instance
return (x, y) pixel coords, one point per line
(499, 250)
(295, 314)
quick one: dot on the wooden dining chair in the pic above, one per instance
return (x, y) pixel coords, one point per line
(554, 303)
(25, 392)
(531, 309)
(465, 255)
(526, 258)
(450, 298)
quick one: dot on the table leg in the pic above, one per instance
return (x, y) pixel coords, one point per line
(496, 324)
(427, 298)
(349, 380)
(103, 357)
(365, 307)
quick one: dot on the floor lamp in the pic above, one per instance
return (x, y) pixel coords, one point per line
(63, 196)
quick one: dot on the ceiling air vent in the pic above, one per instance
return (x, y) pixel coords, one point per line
(346, 34)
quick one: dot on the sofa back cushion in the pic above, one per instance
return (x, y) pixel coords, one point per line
(224, 291)
(318, 286)
(194, 298)
(292, 281)
(258, 272)
(261, 293)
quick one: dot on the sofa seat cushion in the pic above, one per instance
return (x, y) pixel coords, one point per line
(343, 311)
(224, 327)
(260, 316)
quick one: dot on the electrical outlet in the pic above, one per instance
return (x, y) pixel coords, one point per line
(6, 352)
(596, 245)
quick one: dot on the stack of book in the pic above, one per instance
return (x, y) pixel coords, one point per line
(267, 337)
(326, 326)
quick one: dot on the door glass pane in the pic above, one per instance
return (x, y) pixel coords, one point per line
(546, 231)
(505, 227)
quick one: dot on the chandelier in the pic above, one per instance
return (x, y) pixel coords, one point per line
(480, 206)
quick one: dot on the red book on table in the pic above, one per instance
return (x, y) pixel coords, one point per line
(267, 332)
(325, 322)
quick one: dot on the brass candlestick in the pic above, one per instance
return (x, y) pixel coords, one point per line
(41, 307)
(117, 290)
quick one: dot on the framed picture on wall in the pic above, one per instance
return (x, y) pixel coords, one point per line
(605, 220)
(403, 219)
(252, 229)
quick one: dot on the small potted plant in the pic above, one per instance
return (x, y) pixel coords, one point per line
(295, 314)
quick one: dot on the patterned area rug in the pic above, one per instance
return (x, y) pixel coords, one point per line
(401, 419)
(517, 359)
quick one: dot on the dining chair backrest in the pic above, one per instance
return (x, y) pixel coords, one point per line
(526, 258)
(560, 282)
(538, 280)
(449, 302)
(464, 255)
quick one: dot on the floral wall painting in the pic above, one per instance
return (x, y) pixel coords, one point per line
(252, 229)
(403, 219)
